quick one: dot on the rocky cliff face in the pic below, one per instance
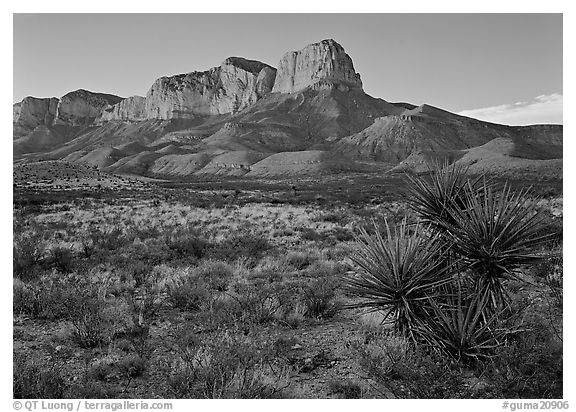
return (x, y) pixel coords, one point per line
(81, 107)
(325, 62)
(236, 84)
(131, 109)
(32, 112)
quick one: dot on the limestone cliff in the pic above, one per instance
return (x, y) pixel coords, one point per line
(131, 109)
(81, 107)
(236, 84)
(325, 62)
(32, 112)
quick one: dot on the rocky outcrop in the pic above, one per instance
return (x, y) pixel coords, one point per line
(233, 86)
(325, 61)
(131, 109)
(32, 112)
(81, 107)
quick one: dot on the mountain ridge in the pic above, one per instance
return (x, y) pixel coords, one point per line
(313, 103)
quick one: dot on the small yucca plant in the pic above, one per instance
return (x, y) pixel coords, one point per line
(399, 274)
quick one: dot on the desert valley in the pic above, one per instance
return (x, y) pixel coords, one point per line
(252, 231)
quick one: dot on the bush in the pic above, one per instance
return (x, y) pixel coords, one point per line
(93, 390)
(226, 365)
(347, 389)
(257, 303)
(33, 380)
(300, 260)
(62, 259)
(187, 244)
(529, 365)
(310, 234)
(28, 253)
(217, 275)
(44, 298)
(248, 246)
(94, 317)
(188, 292)
(408, 371)
(318, 298)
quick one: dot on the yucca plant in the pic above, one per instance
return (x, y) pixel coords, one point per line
(399, 274)
(459, 327)
(436, 197)
(494, 234)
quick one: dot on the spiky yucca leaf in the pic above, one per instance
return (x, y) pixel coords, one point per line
(460, 328)
(398, 275)
(434, 198)
(494, 234)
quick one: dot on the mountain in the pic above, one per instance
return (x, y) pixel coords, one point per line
(308, 116)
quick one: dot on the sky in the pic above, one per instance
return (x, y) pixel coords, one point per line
(505, 68)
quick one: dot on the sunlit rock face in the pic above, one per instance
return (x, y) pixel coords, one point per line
(32, 111)
(233, 86)
(82, 108)
(324, 62)
(131, 109)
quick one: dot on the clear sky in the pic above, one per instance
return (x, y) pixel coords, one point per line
(500, 67)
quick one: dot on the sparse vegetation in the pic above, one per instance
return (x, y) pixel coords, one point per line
(252, 295)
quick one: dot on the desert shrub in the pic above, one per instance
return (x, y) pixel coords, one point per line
(95, 318)
(529, 365)
(318, 298)
(550, 271)
(151, 252)
(35, 380)
(188, 292)
(300, 260)
(216, 274)
(26, 299)
(347, 389)
(312, 235)
(132, 366)
(342, 235)
(100, 371)
(270, 269)
(225, 365)
(133, 270)
(61, 258)
(31, 299)
(257, 303)
(408, 371)
(28, 253)
(44, 298)
(336, 216)
(93, 390)
(112, 239)
(249, 246)
(325, 269)
(112, 367)
(88, 322)
(187, 244)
